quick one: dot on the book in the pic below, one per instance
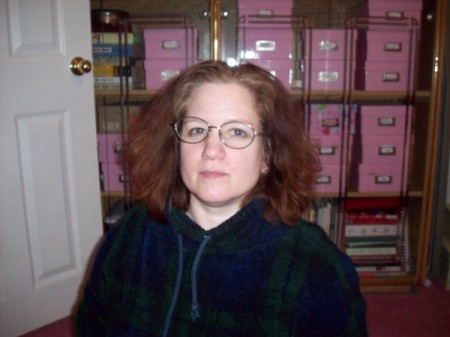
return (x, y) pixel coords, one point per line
(371, 250)
(371, 230)
(113, 82)
(113, 38)
(377, 260)
(372, 218)
(113, 61)
(373, 242)
(361, 269)
(133, 50)
(110, 117)
(324, 212)
(101, 70)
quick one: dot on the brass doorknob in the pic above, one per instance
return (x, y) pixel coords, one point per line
(80, 66)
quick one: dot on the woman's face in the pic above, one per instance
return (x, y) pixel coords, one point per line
(216, 175)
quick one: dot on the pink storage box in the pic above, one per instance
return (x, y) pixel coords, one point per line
(254, 43)
(264, 7)
(327, 119)
(384, 76)
(110, 147)
(328, 180)
(391, 9)
(326, 44)
(170, 43)
(385, 149)
(395, 8)
(378, 178)
(281, 69)
(101, 147)
(113, 177)
(387, 46)
(329, 148)
(326, 75)
(158, 72)
(383, 120)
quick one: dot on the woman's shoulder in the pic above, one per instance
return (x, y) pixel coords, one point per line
(309, 233)
(309, 239)
(135, 225)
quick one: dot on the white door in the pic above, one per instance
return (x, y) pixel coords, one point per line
(50, 214)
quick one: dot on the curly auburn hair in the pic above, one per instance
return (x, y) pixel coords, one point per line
(152, 151)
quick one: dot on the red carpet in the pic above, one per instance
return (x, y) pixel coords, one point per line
(422, 312)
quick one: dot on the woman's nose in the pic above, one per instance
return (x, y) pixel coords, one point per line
(213, 145)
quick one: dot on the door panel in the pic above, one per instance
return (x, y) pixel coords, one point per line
(50, 214)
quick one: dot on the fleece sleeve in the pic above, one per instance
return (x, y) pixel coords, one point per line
(91, 312)
(331, 303)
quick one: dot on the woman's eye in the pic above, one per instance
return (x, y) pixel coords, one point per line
(197, 131)
(236, 132)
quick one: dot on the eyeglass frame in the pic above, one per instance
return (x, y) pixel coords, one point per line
(219, 129)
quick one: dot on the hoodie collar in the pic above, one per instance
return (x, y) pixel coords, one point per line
(239, 231)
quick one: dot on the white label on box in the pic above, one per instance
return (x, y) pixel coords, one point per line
(391, 77)
(170, 45)
(394, 14)
(327, 150)
(386, 121)
(168, 74)
(326, 45)
(328, 76)
(386, 150)
(323, 179)
(265, 45)
(265, 12)
(393, 47)
(118, 148)
(329, 122)
(383, 179)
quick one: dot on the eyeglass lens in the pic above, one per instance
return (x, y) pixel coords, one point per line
(233, 134)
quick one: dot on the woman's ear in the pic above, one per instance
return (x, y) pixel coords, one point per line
(264, 168)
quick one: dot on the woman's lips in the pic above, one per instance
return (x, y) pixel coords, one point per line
(212, 174)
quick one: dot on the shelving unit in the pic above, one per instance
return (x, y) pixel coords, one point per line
(424, 98)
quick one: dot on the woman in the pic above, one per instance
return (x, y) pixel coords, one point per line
(222, 170)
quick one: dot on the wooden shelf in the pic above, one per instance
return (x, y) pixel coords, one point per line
(356, 96)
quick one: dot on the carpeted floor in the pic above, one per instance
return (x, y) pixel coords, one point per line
(422, 312)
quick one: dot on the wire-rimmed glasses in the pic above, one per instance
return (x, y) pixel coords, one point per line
(234, 134)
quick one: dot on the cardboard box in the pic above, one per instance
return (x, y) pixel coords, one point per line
(390, 9)
(378, 178)
(383, 119)
(386, 149)
(329, 179)
(110, 147)
(328, 119)
(385, 46)
(329, 148)
(281, 69)
(110, 117)
(171, 43)
(158, 72)
(114, 177)
(265, 44)
(327, 74)
(265, 8)
(326, 44)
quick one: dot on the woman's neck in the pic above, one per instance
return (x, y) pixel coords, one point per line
(209, 216)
